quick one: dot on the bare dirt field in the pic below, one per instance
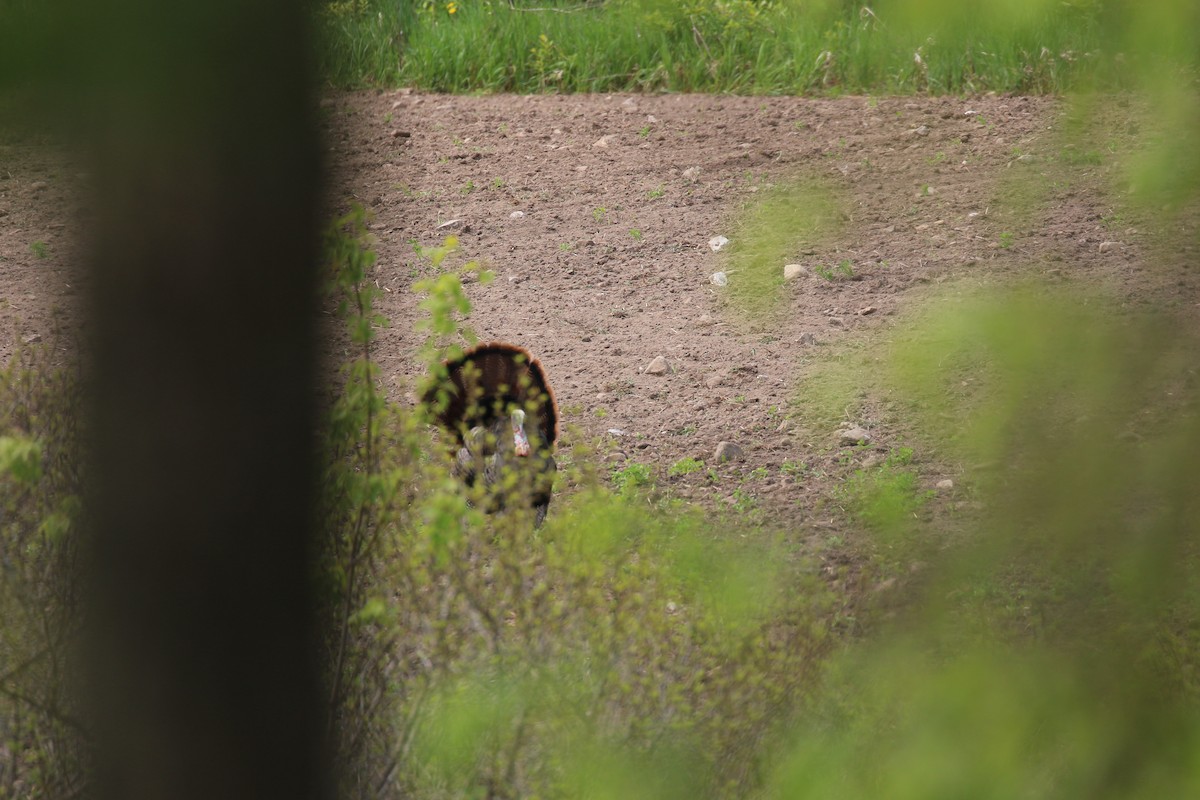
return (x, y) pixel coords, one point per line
(595, 213)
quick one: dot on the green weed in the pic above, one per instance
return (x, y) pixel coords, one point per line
(685, 466)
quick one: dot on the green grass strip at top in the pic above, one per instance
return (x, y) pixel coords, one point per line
(741, 46)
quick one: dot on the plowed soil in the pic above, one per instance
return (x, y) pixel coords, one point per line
(607, 265)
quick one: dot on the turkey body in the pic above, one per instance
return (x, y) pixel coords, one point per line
(496, 401)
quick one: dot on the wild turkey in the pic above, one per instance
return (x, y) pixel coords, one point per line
(496, 401)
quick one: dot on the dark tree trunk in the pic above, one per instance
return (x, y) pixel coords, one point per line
(201, 659)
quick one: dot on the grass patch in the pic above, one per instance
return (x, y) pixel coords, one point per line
(685, 466)
(738, 46)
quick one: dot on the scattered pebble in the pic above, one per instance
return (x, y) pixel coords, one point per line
(615, 432)
(658, 366)
(945, 484)
(1107, 246)
(717, 243)
(516, 215)
(719, 279)
(793, 271)
(728, 451)
(854, 436)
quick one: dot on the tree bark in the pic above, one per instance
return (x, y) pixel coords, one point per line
(201, 658)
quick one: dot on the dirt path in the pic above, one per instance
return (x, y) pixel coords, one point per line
(607, 263)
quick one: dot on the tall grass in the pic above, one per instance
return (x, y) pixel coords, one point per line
(740, 46)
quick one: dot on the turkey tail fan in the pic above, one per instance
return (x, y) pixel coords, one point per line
(485, 383)
(497, 401)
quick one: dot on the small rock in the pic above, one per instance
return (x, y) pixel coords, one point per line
(704, 320)
(837, 322)
(516, 215)
(719, 279)
(854, 436)
(728, 451)
(872, 461)
(1027, 158)
(808, 339)
(866, 310)
(717, 243)
(1107, 246)
(658, 366)
(515, 279)
(602, 142)
(784, 426)
(450, 225)
(671, 607)
(399, 134)
(38, 186)
(793, 271)
(713, 381)
(651, 119)
(945, 484)
(615, 457)
(691, 174)
(615, 432)
(923, 130)
(33, 338)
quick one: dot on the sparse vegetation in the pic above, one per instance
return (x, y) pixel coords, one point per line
(685, 466)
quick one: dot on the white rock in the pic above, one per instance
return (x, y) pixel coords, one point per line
(728, 451)
(719, 279)
(516, 215)
(615, 432)
(1107, 246)
(717, 243)
(658, 366)
(450, 225)
(854, 436)
(945, 484)
(793, 271)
